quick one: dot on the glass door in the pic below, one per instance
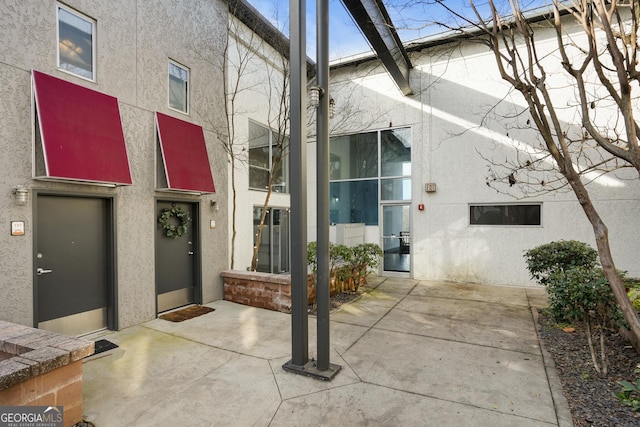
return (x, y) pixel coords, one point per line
(396, 237)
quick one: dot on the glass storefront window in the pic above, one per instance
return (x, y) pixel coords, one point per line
(366, 168)
(353, 201)
(354, 156)
(395, 146)
(395, 189)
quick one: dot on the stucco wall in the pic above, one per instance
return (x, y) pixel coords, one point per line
(135, 40)
(255, 80)
(458, 116)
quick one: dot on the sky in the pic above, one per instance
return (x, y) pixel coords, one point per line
(413, 19)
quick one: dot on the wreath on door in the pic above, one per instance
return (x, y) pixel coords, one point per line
(167, 221)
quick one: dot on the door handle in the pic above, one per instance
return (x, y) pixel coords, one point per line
(190, 252)
(40, 271)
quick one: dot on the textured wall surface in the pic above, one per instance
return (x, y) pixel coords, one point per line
(258, 69)
(135, 41)
(16, 299)
(460, 116)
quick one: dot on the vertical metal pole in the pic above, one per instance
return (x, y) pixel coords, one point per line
(322, 151)
(300, 363)
(298, 174)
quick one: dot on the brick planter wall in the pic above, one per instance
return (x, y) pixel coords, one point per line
(41, 368)
(60, 387)
(263, 290)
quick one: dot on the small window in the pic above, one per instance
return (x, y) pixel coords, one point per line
(268, 159)
(505, 214)
(76, 43)
(178, 87)
(273, 252)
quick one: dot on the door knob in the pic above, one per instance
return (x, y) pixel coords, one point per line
(190, 252)
(40, 271)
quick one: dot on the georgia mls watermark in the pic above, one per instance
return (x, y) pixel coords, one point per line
(31, 416)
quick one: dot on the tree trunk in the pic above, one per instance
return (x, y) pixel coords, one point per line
(234, 209)
(592, 349)
(606, 260)
(256, 247)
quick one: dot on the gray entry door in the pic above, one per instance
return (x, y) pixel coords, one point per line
(175, 261)
(73, 267)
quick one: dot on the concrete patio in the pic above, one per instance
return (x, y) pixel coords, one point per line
(412, 353)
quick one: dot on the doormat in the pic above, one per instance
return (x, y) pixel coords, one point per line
(102, 346)
(187, 313)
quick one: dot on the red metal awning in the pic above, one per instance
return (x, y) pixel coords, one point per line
(184, 153)
(81, 131)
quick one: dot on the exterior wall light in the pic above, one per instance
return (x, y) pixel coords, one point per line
(314, 96)
(21, 195)
(315, 93)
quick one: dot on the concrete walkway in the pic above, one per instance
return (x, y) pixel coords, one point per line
(412, 353)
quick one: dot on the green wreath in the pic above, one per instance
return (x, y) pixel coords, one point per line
(170, 229)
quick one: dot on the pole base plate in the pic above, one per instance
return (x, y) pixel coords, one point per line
(310, 369)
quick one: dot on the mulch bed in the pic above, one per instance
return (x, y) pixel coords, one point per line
(187, 313)
(337, 300)
(590, 396)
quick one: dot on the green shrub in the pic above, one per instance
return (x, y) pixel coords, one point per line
(366, 257)
(547, 259)
(577, 289)
(580, 293)
(312, 256)
(368, 254)
(583, 294)
(633, 292)
(348, 264)
(340, 255)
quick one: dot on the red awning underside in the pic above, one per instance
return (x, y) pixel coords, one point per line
(185, 155)
(81, 131)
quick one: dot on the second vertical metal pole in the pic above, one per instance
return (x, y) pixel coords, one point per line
(322, 161)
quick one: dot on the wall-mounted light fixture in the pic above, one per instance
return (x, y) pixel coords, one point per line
(21, 195)
(314, 96)
(315, 93)
(214, 205)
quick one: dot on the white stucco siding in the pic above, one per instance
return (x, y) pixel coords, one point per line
(460, 120)
(255, 79)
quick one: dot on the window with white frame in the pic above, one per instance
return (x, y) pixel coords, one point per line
(76, 43)
(178, 87)
(268, 159)
(273, 252)
(508, 214)
(365, 169)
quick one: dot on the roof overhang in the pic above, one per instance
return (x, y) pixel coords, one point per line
(257, 23)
